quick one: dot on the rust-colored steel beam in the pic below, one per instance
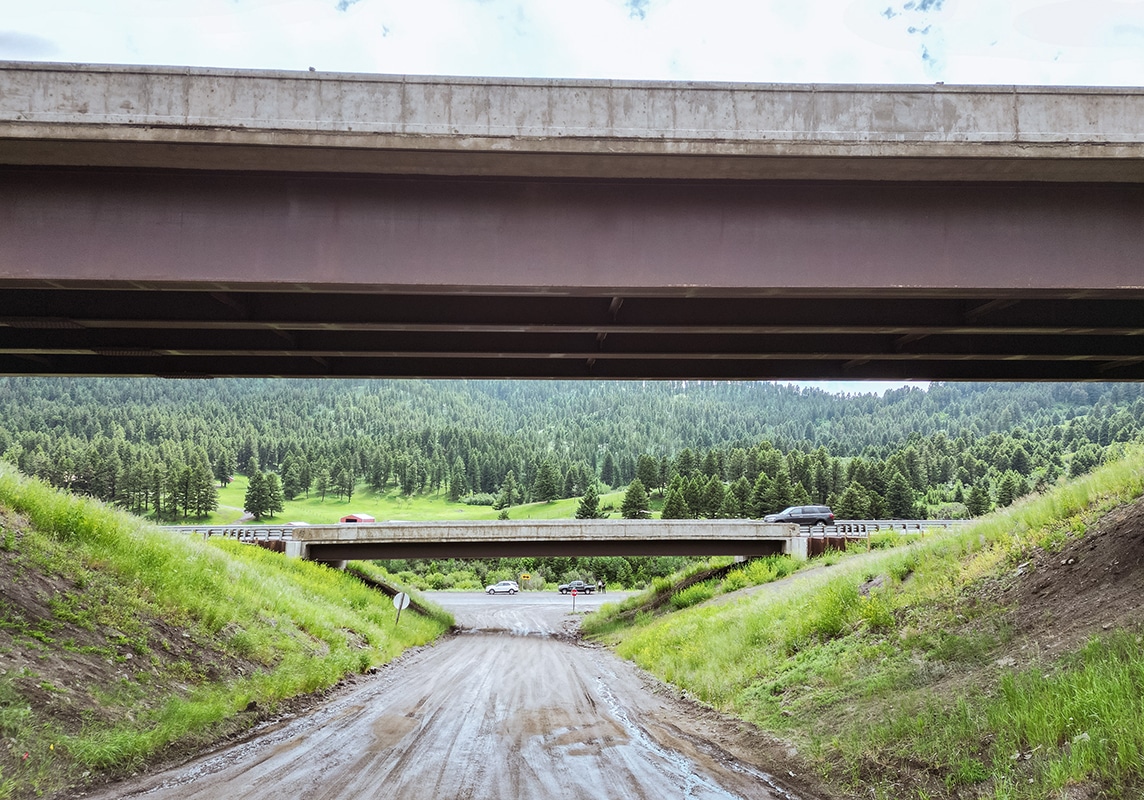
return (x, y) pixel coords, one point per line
(197, 275)
(312, 233)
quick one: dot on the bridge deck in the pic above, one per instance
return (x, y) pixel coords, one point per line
(491, 539)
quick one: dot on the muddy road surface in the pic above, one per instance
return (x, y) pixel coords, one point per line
(511, 707)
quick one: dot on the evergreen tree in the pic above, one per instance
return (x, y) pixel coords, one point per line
(674, 506)
(291, 481)
(713, 497)
(256, 502)
(635, 505)
(693, 488)
(978, 501)
(1007, 489)
(344, 482)
(589, 507)
(799, 496)
(760, 494)
(647, 470)
(225, 466)
(741, 488)
(685, 462)
(900, 497)
(852, 504)
(274, 500)
(608, 470)
(305, 476)
(508, 492)
(731, 508)
(781, 493)
(203, 495)
(458, 480)
(546, 487)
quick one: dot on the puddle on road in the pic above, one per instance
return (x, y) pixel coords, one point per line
(462, 630)
(681, 764)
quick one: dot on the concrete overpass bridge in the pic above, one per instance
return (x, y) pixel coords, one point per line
(558, 537)
(522, 538)
(194, 223)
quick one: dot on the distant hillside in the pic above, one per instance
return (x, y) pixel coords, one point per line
(158, 448)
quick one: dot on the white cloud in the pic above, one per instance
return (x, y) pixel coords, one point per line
(859, 41)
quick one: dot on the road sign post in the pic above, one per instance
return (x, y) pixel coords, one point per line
(573, 601)
(400, 601)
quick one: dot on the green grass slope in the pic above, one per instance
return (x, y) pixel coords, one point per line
(121, 644)
(1004, 660)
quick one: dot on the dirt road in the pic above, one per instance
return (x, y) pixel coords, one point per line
(510, 708)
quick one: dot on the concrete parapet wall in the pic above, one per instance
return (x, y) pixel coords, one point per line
(493, 126)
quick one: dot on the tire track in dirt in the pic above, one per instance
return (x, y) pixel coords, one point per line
(513, 708)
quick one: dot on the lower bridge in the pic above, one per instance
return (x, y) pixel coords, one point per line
(541, 538)
(510, 538)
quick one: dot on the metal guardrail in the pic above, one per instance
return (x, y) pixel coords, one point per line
(865, 526)
(243, 533)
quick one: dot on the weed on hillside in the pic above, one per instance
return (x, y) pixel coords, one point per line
(1003, 661)
(121, 644)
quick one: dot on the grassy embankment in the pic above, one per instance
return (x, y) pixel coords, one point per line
(395, 505)
(900, 692)
(150, 644)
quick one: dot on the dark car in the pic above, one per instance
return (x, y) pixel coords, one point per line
(803, 515)
(580, 587)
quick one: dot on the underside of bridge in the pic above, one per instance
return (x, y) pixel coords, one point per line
(697, 546)
(182, 273)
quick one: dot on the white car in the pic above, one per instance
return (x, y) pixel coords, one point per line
(504, 587)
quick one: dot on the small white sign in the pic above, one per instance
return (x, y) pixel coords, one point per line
(400, 601)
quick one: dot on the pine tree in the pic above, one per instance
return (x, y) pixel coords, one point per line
(731, 508)
(546, 487)
(1007, 489)
(900, 497)
(508, 492)
(647, 470)
(693, 494)
(608, 470)
(274, 500)
(674, 506)
(590, 504)
(852, 504)
(781, 493)
(978, 501)
(713, 496)
(322, 483)
(225, 466)
(741, 488)
(256, 502)
(760, 494)
(635, 505)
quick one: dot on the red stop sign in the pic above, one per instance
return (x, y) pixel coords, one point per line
(573, 592)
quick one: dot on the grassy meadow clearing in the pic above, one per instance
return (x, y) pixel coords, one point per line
(120, 643)
(902, 673)
(393, 505)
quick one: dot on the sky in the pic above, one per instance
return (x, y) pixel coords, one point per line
(1042, 42)
(1024, 42)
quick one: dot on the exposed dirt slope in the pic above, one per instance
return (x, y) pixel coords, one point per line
(1095, 583)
